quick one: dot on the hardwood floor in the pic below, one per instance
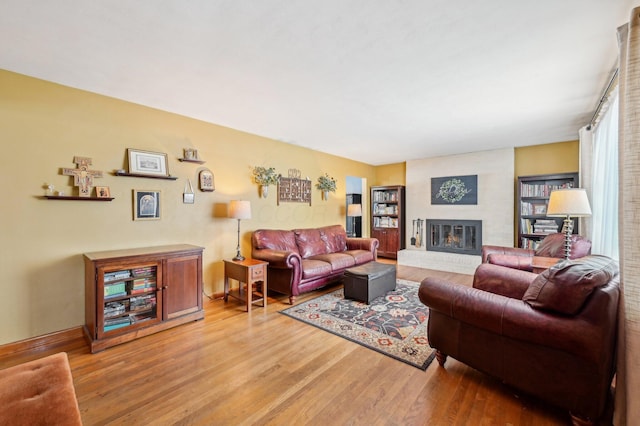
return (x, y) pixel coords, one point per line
(234, 368)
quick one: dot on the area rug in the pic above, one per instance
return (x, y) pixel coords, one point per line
(394, 324)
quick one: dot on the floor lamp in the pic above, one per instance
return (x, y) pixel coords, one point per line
(354, 210)
(568, 203)
(239, 209)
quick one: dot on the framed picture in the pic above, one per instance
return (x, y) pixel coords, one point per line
(539, 209)
(146, 205)
(454, 190)
(147, 163)
(206, 181)
(103, 192)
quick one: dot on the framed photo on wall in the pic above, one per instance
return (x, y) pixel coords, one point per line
(146, 205)
(147, 163)
(206, 181)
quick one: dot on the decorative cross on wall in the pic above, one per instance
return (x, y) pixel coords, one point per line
(82, 176)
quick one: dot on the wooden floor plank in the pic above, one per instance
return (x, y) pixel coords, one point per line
(234, 368)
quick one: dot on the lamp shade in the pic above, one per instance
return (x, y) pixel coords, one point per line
(354, 210)
(569, 202)
(239, 209)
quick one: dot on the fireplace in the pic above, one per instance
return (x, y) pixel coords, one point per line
(454, 236)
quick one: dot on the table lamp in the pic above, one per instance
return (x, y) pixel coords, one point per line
(568, 203)
(239, 209)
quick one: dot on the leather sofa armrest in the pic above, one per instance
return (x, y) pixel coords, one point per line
(369, 244)
(501, 280)
(524, 263)
(514, 318)
(515, 251)
(278, 258)
(470, 305)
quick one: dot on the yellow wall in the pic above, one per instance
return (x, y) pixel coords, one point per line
(391, 174)
(44, 125)
(559, 157)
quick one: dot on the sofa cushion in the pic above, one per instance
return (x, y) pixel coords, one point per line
(336, 260)
(565, 287)
(274, 239)
(335, 238)
(310, 242)
(314, 268)
(360, 256)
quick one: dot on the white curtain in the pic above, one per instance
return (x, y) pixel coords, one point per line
(604, 182)
(586, 168)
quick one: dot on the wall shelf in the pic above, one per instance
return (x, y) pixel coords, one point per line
(189, 160)
(66, 197)
(144, 176)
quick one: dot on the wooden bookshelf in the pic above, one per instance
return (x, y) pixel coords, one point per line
(532, 202)
(388, 219)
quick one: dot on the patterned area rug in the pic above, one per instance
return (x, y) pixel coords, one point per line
(394, 324)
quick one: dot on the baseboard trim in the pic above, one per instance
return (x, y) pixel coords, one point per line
(42, 343)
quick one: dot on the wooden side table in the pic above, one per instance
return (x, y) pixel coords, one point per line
(249, 272)
(541, 263)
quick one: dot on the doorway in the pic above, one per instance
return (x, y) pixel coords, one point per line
(354, 206)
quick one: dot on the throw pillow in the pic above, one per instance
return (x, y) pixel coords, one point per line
(565, 286)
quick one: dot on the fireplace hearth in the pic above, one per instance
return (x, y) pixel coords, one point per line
(454, 236)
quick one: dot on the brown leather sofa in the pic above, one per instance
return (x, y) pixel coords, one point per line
(551, 246)
(551, 335)
(302, 260)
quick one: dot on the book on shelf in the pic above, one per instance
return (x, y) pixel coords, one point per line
(145, 270)
(113, 309)
(141, 290)
(140, 303)
(541, 190)
(525, 226)
(529, 243)
(545, 226)
(117, 275)
(385, 196)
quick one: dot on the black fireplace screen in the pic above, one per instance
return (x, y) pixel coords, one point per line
(454, 236)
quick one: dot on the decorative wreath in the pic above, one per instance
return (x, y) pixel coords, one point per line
(452, 191)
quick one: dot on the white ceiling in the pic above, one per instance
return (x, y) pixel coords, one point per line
(379, 81)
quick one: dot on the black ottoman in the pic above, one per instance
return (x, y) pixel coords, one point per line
(366, 282)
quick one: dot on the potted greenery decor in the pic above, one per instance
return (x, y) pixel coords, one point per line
(326, 184)
(265, 176)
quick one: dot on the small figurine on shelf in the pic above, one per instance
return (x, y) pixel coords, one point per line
(190, 154)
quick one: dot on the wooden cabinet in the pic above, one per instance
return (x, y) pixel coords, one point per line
(388, 219)
(136, 292)
(533, 198)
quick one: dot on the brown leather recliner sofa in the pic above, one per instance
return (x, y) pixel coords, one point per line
(551, 246)
(551, 335)
(302, 260)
